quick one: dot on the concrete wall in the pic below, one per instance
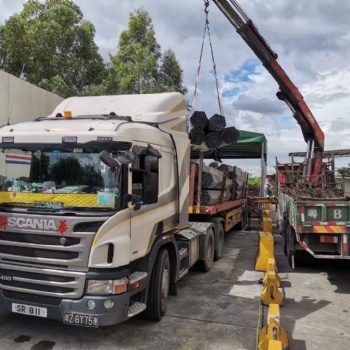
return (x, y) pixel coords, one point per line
(346, 186)
(25, 101)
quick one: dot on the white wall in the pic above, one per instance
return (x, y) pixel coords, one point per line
(346, 185)
(26, 100)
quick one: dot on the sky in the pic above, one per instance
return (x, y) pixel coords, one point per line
(312, 39)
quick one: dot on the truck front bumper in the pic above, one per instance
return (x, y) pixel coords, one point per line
(106, 317)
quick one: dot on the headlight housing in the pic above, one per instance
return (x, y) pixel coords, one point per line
(98, 287)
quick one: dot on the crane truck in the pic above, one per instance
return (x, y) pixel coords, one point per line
(95, 228)
(312, 216)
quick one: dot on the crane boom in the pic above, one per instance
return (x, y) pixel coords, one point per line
(288, 92)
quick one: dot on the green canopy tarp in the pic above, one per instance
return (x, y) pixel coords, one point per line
(250, 145)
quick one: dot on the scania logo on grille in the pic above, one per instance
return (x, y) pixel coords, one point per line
(34, 224)
(63, 241)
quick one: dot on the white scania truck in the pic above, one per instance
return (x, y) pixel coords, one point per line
(94, 227)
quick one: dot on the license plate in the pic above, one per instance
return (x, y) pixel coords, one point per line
(29, 310)
(80, 319)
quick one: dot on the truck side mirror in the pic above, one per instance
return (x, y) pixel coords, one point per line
(108, 160)
(151, 188)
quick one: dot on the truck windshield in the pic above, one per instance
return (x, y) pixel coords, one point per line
(58, 179)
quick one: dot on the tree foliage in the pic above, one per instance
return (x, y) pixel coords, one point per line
(344, 172)
(254, 181)
(54, 45)
(139, 64)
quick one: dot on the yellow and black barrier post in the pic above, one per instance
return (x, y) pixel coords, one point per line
(271, 294)
(272, 336)
(265, 251)
(271, 266)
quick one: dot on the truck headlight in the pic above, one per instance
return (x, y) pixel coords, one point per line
(107, 286)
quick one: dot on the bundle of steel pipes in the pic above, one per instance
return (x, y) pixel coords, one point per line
(212, 187)
(211, 133)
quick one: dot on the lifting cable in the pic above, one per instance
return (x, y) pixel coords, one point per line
(206, 28)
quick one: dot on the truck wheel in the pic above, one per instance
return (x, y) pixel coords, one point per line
(205, 265)
(158, 291)
(220, 238)
(290, 246)
(284, 235)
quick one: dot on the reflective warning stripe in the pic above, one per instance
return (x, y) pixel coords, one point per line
(345, 245)
(304, 245)
(329, 239)
(329, 229)
(302, 213)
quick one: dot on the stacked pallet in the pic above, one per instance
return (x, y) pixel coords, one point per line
(211, 134)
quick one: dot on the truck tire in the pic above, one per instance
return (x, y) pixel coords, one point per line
(158, 291)
(206, 264)
(290, 246)
(284, 235)
(220, 238)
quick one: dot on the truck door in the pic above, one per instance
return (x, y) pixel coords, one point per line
(145, 210)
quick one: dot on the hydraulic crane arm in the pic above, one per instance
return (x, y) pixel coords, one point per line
(288, 92)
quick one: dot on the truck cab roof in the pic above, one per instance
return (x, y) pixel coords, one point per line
(146, 108)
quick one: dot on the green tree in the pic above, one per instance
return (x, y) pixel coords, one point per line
(344, 172)
(139, 66)
(55, 45)
(254, 181)
(171, 74)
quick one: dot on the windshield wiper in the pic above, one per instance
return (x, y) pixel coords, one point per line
(77, 208)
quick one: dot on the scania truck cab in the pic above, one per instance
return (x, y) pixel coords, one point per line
(94, 224)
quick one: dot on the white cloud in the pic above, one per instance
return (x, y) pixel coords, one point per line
(311, 37)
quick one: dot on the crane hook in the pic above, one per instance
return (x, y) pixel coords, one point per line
(206, 4)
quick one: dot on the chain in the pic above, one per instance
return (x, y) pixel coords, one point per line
(207, 30)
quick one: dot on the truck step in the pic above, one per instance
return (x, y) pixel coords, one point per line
(136, 308)
(183, 272)
(183, 252)
(137, 276)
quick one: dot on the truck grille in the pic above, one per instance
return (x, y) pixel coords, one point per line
(42, 281)
(37, 239)
(46, 248)
(43, 264)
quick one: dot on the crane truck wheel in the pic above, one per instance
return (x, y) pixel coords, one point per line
(284, 235)
(220, 238)
(290, 246)
(158, 291)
